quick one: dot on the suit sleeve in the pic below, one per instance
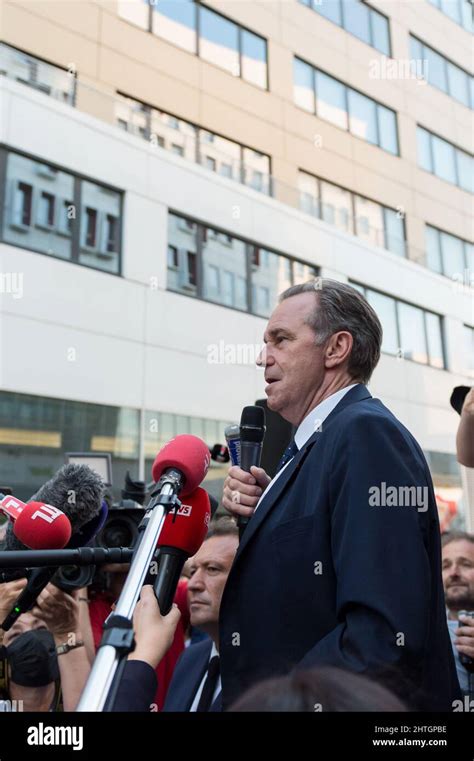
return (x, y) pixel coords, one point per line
(379, 555)
(137, 688)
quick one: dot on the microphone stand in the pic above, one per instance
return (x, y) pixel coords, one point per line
(57, 558)
(117, 640)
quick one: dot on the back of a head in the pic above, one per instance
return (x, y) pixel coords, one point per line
(323, 689)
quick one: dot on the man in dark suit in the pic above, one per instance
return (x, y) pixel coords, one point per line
(340, 565)
(196, 684)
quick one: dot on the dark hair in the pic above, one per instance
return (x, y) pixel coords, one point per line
(322, 689)
(224, 526)
(456, 536)
(338, 306)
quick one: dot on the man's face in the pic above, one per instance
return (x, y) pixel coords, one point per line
(458, 575)
(24, 623)
(209, 570)
(294, 364)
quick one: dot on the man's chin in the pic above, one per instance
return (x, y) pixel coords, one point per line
(461, 601)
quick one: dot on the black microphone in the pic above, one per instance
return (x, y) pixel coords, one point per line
(78, 491)
(252, 432)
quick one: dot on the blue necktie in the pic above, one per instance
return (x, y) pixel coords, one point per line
(289, 452)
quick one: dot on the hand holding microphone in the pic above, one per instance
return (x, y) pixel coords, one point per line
(154, 633)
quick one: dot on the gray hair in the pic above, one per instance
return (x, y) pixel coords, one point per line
(456, 536)
(338, 306)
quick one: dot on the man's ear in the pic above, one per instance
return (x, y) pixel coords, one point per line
(338, 349)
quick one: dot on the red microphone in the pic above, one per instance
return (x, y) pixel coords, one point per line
(181, 537)
(184, 461)
(37, 525)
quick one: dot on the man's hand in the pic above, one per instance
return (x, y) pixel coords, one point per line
(9, 592)
(59, 611)
(154, 633)
(465, 636)
(243, 490)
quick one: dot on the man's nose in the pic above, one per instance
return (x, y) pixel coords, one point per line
(264, 358)
(196, 582)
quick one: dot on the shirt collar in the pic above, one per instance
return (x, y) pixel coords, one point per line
(314, 419)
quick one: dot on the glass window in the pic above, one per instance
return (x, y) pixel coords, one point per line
(386, 312)
(416, 51)
(271, 274)
(256, 170)
(452, 249)
(466, 13)
(433, 250)
(387, 129)
(135, 12)
(336, 206)
(465, 169)
(458, 82)
(356, 19)
(444, 159)
(362, 117)
(170, 132)
(133, 116)
(309, 193)
(303, 85)
(331, 100)
(222, 152)
(182, 236)
(369, 221)
(175, 22)
(435, 341)
(380, 32)
(436, 69)
(412, 333)
(219, 40)
(358, 287)
(303, 272)
(331, 9)
(394, 232)
(424, 149)
(228, 256)
(34, 193)
(254, 59)
(100, 244)
(452, 9)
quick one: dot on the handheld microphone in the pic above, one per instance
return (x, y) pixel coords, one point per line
(232, 437)
(219, 453)
(79, 491)
(252, 432)
(182, 463)
(37, 525)
(182, 534)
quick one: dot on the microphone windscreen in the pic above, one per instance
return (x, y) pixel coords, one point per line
(187, 529)
(185, 453)
(39, 529)
(252, 424)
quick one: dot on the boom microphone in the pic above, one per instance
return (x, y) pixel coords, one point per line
(252, 432)
(183, 462)
(37, 525)
(182, 534)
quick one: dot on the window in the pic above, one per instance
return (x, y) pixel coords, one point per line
(445, 160)
(394, 232)
(331, 100)
(254, 59)
(362, 117)
(35, 215)
(369, 221)
(442, 73)
(46, 208)
(336, 206)
(271, 274)
(216, 251)
(304, 85)
(435, 342)
(256, 170)
(412, 333)
(357, 18)
(172, 256)
(100, 245)
(385, 307)
(447, 254)
(210, 163)
(309, 194)
(459, 11)
(452, 251)
(182, 252)
(344, 107)
(219, 40)
(176, 22)
(91, 227)
(111, 233)
(303, 272)
(44, 77)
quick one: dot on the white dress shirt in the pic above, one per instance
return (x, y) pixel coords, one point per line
(311, 423)
(197, 696)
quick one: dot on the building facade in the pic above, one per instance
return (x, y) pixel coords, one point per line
(167, 168)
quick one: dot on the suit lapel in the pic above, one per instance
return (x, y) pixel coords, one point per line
(356, 394)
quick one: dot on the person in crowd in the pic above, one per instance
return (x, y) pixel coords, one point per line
(44, 655)
(196, 681)
(341, 562)
(318, 690)
(458, 580)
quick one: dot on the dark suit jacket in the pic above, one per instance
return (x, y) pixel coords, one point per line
(138, 685)
(321, 577)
